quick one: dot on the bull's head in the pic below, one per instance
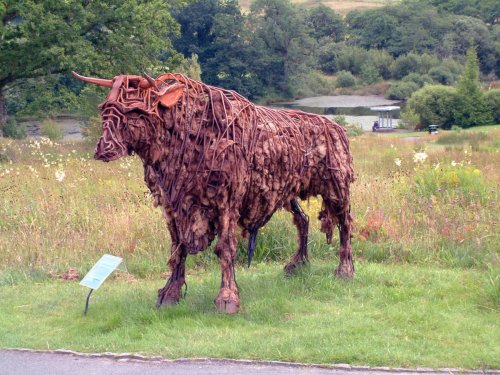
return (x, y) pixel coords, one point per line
(130, 112)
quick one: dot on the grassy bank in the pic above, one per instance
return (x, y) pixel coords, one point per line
(396, 315)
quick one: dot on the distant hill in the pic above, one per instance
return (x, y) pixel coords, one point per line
(340, 6)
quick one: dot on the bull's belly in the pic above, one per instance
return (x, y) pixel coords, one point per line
(266, 195)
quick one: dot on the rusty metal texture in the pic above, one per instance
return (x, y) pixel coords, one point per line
(213, 160)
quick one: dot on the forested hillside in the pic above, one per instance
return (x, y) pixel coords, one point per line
(273, 49)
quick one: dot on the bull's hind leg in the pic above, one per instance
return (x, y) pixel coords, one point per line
(171, 292)
(301, 221)
(228, 299)
(346, 265)
(330, 217)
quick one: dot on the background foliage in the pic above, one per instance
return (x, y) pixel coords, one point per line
(274, 49)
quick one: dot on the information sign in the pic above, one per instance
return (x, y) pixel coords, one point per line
(101, 270)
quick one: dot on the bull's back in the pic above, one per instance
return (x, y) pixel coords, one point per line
(294, 154)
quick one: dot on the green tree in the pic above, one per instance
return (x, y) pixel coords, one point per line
(399, 29)
(43, 38)
(369, 74)
(219, 34)
(493, 100)
(326, 23)
(467, 32)
(401, 90)
(234, 58)
(435, 104)
(283, 37)
(351, 58)
(486, 10)
(473, 108)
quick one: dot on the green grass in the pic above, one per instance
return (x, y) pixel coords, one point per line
(395, 315)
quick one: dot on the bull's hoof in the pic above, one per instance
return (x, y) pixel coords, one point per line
(166, 302)
(228, 301)
(228, 307)
(168, 296)
(292, 267)
(345, 270)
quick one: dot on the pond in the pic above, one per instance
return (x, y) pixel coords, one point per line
(355, 108)
(71, 126)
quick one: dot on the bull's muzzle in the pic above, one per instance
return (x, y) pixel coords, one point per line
(108, 150)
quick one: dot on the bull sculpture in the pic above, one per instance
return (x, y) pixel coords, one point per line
(213, 161)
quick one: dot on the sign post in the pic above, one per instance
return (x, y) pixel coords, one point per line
(96, 276)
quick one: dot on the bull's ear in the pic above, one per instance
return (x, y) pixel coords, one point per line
(172, 96)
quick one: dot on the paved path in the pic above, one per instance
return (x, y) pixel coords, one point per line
(19, 362)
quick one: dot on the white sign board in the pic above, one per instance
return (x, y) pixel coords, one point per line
(101, 270)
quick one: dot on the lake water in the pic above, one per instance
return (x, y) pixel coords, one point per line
(355, 108)
(71, 126)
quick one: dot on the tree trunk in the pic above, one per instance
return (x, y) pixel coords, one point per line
(3, 112)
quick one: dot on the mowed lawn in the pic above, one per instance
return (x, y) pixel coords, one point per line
(392, 315)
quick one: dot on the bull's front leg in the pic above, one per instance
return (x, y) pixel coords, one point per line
(228, 299)
(171, 292)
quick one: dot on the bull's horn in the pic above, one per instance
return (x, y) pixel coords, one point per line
(149, 82)
(95, 81)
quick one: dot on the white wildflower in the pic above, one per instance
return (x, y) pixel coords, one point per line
(419, 157)
(60, 175)
(397, 161)
(453, 163)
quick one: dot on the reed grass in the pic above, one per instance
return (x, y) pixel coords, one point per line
(60, 208)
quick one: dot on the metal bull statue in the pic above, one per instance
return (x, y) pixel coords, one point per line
(213, 160)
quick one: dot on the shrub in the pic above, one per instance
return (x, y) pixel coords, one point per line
(419, 79)
(353, 130)
(13, 129)
(311, 84)
(341, 120)
(409, 119)
(327, 55)
(345, 79)
(51, 130)
(442, 75)
(413, 63)
(190, 67)
(381, 60)
(404, 65)
(493, 100)
(370, 74)
(352, 59)
(401, 90)
(435, 104)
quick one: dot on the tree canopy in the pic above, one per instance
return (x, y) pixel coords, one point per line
(42, 38)
(277, 48)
